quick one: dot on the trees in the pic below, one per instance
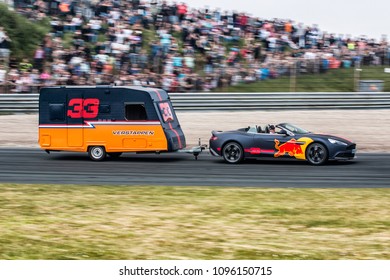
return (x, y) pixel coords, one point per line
(25, 34)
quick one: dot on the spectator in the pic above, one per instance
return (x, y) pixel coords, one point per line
(192, 49)
(46, 77)
(25, 66)
(182, 11)
(39, 57)
(3, 75)
(24, 83)
(4, 43)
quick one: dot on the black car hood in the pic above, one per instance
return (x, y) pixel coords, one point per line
(330, 136)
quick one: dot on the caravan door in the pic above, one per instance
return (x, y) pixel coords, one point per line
(80, 110)
(75, 120)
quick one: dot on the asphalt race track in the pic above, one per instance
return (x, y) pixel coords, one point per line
(35, 166)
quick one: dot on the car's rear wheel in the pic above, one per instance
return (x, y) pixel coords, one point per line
(316, 154)
(232, 152)
(97, 153)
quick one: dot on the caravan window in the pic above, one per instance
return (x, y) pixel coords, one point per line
(135, 112)
(57, 112)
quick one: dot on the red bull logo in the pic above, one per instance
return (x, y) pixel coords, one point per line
(291, 147)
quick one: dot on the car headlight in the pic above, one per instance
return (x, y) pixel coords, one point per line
(337, 142)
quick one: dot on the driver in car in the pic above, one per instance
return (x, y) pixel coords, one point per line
(271, 129)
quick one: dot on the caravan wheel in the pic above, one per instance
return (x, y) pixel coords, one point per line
(97, 153)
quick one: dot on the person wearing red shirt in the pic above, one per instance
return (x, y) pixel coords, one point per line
(182, 11)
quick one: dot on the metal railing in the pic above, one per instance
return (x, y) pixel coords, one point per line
(28, 103)
(279, 101)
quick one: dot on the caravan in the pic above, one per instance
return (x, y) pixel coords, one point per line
(108, 120)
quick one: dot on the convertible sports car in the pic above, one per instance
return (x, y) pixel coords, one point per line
(288, 140)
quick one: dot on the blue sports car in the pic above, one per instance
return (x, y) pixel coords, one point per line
(280, 141)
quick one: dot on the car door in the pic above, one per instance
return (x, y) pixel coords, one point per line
(270, 144)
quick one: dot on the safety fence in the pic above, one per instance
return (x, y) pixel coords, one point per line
(28, 103)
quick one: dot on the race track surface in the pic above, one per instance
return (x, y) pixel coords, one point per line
(35, 166)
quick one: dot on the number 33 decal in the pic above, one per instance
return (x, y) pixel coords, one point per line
(83, 108)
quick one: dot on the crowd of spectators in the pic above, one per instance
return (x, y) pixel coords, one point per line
(170, 45)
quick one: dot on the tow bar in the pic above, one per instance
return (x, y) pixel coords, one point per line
(196, 150)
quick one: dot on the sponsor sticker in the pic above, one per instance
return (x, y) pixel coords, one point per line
(133, 132)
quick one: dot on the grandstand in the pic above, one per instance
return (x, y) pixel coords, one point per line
(173, 46)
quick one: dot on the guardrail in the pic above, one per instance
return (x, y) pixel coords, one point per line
(28, 103)
(279, 101)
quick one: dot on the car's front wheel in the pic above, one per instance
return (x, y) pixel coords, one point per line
(97, 153)
(316, 154)
(232, 152)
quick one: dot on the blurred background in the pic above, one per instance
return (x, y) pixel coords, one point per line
(193, 46)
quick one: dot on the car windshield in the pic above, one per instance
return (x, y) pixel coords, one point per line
(293, 128)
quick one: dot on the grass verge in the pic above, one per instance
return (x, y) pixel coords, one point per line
(131, 222)
(335, 80)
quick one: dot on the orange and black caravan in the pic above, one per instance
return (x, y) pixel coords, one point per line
(108, 120)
